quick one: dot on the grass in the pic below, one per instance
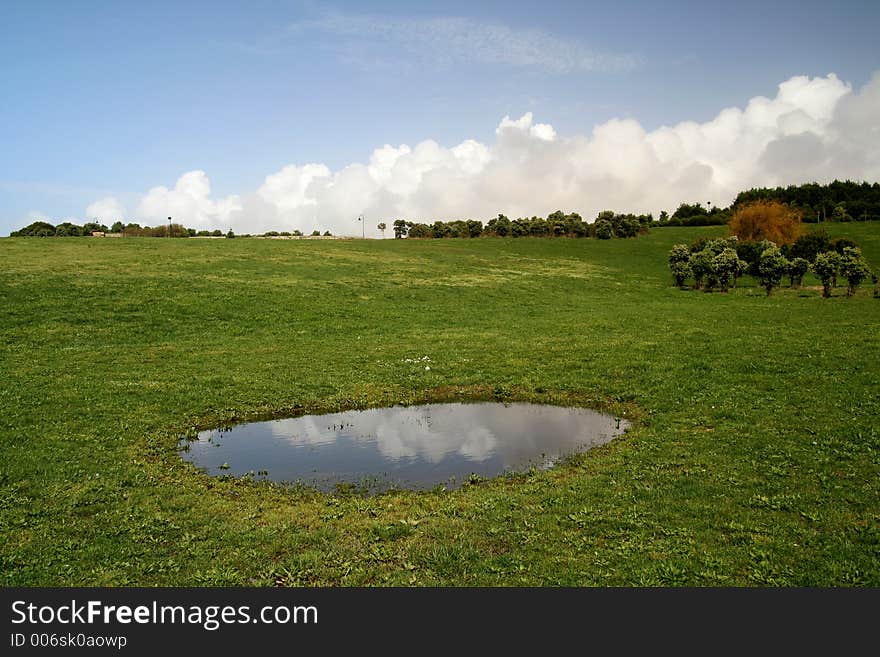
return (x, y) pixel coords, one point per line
(754, 459)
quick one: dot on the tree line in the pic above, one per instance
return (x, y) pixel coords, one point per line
(607, 225)
(837, 201)
(68, 229)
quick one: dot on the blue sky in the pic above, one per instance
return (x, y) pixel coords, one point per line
(111, 99)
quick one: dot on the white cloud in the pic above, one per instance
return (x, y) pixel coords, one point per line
(814, 129)
(189, 203)
(107, 210)
(523, 124)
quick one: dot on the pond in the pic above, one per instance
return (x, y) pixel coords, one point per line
(414, 447)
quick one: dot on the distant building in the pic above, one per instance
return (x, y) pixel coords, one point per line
(98, 233)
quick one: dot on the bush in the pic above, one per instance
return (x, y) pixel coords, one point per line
(825, 269)
(772, 266)
(797, 267)
(680, 272)
(679, 253)
(854, 268)
(703, 267)
(750, 253)
(810, 245)
(725, 264)
(766, 220)
(678, 263)
(841, 244)
(604, 229)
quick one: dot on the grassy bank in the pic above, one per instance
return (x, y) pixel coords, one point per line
(754, 460)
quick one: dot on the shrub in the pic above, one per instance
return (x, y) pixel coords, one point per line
(604, 229)
(680, 272)
(702, 267)
(772, 266)
(841, 244)
(810, 245)
(824, 267)
(725, 264)
(679, 253)
(854, 268)
(797, 267)
(769, 220)
(750, 253)
(678, 263)
(741, 268)
(834, 257)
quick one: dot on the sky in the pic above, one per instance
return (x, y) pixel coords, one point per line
(275, 115)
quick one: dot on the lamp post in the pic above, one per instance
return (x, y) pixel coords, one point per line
(363, 224)
(169, 226)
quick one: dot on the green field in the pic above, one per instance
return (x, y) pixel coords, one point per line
(754, 457)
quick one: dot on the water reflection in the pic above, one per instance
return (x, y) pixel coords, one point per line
(412, 447)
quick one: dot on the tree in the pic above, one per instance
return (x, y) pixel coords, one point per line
(400, 229)
(382, 228)
(474, 228)
(797, 267)
(741, 268)
(230, 234)
(702, 266)
(725, 264)
(825, 269)
(839, 213)
(499, 226)
(604, 229)
(316, 233)
(416, 230)
(67, 229)
(811, 244)
(772, 266)
(854, 268)
(678, 263)
(117, 227)
(767, 220)
(834, 257)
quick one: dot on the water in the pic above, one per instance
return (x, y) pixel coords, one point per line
(415, 447)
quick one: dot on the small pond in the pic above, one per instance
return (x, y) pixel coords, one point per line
(415, 447)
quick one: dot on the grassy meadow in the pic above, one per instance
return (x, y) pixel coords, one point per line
(754, 458)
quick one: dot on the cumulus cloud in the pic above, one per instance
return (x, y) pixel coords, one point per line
(813, 129)
(188, 203)
(106, 210)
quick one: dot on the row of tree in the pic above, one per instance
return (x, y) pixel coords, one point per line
(811, 202)
(717, 262)
(836, 201)
(608, 225)
(68, 229)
